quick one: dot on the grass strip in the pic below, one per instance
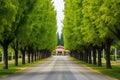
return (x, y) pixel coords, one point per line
(114, 72)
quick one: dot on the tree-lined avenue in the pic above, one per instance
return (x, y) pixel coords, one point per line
(57, 68)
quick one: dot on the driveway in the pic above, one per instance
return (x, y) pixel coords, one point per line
(57, 68)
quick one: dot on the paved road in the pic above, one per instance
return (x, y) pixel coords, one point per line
(57, 68)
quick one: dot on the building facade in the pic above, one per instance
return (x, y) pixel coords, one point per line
(61, 51)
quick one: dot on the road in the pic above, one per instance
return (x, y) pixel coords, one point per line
(57, 68)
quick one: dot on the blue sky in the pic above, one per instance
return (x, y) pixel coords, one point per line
(59, 6)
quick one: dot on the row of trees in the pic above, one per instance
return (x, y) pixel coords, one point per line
(28, 26)
(91, 25)
(60, 39)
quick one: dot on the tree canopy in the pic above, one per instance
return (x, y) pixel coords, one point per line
(91, 23)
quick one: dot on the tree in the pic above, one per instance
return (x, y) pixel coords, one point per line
(8, 12)
(60, 39)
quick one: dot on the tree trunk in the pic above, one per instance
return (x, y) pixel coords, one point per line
(5, 55)
(32, 55)
(99, 57)
(35, 56)
(44, 54)
(39, 55)
(16, 57)
(90, 57)
(28, 56)
(107, 49)
(94, 56)
(82, 57)
(16, 53)
(23, 55)
(86, 57)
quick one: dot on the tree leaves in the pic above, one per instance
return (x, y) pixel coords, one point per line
(28, 21)
(92, 21)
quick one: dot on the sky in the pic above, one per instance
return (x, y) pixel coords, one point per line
(59, 7)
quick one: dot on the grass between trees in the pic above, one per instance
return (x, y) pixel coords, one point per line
(14, 69)
(114, 72)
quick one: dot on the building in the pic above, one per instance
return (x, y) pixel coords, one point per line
(61, 51)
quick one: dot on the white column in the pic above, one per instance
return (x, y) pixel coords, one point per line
(115, 54)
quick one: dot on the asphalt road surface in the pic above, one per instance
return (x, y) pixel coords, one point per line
(57, 68)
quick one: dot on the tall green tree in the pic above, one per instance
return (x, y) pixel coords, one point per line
(8, 13)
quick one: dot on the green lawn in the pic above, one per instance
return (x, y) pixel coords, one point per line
(114, 72)
(12, 69)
